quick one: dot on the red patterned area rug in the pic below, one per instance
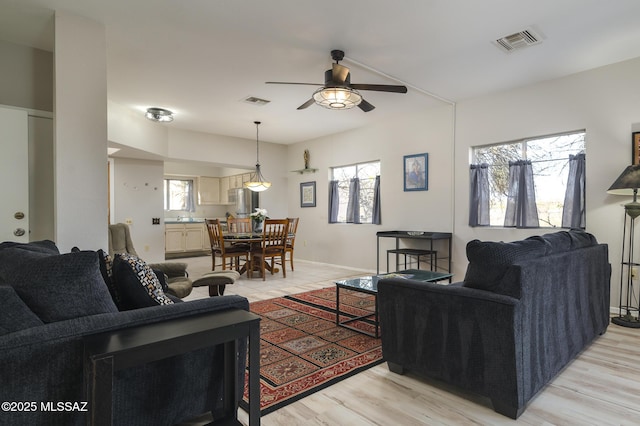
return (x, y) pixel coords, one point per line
(301, 348)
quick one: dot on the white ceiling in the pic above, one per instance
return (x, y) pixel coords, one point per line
(201, 58)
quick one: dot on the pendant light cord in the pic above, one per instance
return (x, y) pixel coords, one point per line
(257, 123)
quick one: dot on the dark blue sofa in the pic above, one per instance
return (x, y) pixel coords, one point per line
(51, 301)
(523, 312)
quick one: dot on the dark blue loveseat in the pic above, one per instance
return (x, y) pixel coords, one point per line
(50, 303)
(523, 312)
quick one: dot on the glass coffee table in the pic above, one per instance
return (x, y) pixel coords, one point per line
(369, 285)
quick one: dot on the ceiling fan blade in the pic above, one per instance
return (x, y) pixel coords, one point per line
(286, 82)
(339, 73)
(380, 88)
(307, 104)
(365, 106)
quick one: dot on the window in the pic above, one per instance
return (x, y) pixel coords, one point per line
(178, 195)
(367, 186)
(549, 160)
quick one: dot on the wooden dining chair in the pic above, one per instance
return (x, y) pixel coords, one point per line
(274, 241)
(291, 238)
(219, 248)
(239, 224)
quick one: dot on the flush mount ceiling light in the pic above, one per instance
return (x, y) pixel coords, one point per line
(159, 114)
(337, 97)
(257, 183)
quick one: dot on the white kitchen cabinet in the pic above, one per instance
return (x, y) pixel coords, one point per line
(234, 182)
(208, 190)
(224, 190)
(184, 237)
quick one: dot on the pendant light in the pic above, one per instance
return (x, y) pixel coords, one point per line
(257, 183)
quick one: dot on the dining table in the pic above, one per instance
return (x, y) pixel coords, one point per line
(253, 238)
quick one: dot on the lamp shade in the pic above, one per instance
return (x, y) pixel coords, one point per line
(337, 97)
(627, 182)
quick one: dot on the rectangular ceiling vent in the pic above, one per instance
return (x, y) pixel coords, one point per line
(256, 101)
(518, 41)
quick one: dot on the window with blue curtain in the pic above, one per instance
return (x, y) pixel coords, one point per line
(354, 194)
(539, 176)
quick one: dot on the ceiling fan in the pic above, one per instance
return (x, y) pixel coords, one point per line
(338, 92)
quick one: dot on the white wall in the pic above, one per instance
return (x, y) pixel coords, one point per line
(80, 129)
(27, 77)
(603, 101)
(352, 245)
(138, 197)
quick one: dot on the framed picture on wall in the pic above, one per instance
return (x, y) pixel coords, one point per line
(308, 194)
(416, 172)
(635, 140)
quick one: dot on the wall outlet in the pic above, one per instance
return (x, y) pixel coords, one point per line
(128, 221)
(634, 273)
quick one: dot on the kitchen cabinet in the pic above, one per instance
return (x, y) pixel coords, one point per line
(184, 237)
(246, 177)
(224, 190)
(234, 182)
(208, 190)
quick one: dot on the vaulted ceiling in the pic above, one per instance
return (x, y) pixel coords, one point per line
(202, 58)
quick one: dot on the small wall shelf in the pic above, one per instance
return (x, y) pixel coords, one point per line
(307, 170)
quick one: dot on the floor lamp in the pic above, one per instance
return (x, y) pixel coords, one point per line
(627, 184)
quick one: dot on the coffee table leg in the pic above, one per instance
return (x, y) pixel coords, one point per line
(375, 299)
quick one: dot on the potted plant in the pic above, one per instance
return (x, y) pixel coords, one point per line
(257, 219)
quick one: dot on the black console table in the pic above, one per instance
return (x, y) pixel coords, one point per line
(108, 352)
(428, 237)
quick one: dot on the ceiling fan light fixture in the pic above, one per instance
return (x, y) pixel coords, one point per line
(159, 115)
(337, 97)
(257, 183)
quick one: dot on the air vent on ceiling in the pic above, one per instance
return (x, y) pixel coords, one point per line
(256, 101)
(518, 41)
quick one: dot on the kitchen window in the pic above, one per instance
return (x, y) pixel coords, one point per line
(179, 195)
(354, 193)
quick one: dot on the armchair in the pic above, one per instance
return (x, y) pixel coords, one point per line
(178, 281)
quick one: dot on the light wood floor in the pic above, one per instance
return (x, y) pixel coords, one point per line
(600, 387)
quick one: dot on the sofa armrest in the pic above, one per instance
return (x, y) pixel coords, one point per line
(460, 335)
(45, 363)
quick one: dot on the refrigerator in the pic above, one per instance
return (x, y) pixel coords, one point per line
(244, 200)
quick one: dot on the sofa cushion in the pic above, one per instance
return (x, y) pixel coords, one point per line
(44, 246)
(137, 284)
(13, 254)
(562, 241)
(15, 314)
(489, 262)
(62, 287)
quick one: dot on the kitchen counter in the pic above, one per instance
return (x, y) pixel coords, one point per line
(184, 220)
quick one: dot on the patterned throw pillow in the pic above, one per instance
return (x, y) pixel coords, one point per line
(106, 269)
(136, 283)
